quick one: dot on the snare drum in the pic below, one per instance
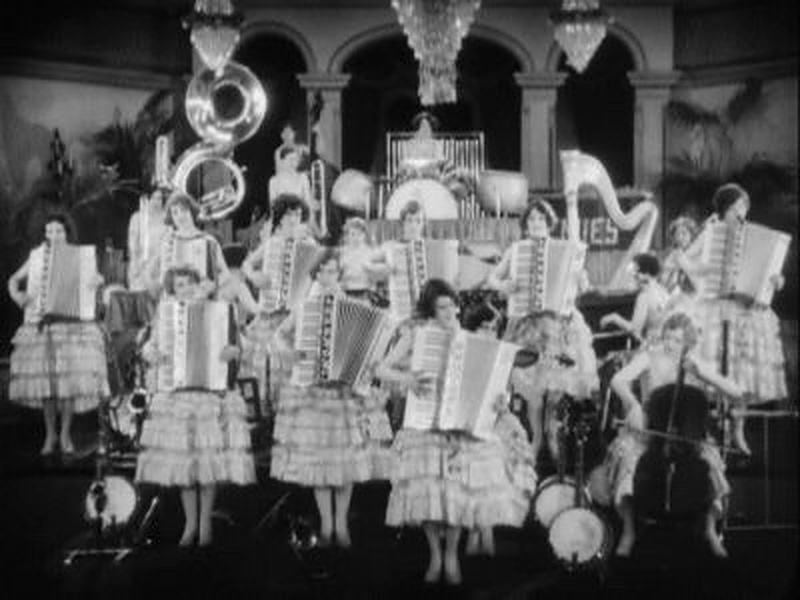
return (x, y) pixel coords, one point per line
(554, 496)
(580, 538)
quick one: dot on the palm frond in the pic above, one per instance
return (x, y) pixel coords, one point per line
(745, 101)
(688, 114)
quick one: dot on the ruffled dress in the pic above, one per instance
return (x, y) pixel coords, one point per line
(458, 480)
(622, 458)
(195, 437)
(330, 435)
(57, 362)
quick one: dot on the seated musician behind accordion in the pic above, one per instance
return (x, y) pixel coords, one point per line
(331, 430)
(196, 435)
(448, 480)
(413, 260)
(541, 273)
(737, 266)
(58, 361)
(659, 364)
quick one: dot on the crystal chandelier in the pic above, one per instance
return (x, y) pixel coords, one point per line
(215, 31)
(580, 26)
(435, 30)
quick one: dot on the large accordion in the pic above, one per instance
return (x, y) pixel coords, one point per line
(60, 277)
(742, 258)
(288, 263)
(469, 372)
(414, 263)
(192, 252)
(545, 271)
(341, 339)
(192, 336)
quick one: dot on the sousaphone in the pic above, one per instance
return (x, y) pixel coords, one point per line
(224, 108)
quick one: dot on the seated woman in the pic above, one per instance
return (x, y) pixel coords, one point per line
(651, 301)
(658, 365)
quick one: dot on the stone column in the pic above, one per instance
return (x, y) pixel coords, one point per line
(330, 85)
(538, 149)
(653, 90)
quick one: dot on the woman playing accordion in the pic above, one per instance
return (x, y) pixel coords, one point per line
(736, 265)
(58, 363)
(328, 436)
(443, 480)
(196, 436)
(565, 279)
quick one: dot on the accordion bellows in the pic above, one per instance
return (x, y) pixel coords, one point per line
(196, 438)
(330, 437)
(742, 257)
(288, 263)
(60, 279)
(194, 252)
(545, 270)
(192, 335)
(414, 263)
(343, 338)
(65, 361)
(471, 373)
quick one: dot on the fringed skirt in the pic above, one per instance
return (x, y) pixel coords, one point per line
(756, 359)
(196, 437)
(330, 436)
(623, 456)
(259, 360)
(62, 362)
(459, 481)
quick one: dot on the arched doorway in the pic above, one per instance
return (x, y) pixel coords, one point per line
(382, 96)
(276, 61)
(595, 109)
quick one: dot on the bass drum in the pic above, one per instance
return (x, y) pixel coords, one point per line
(112, 500)
(554, 496)
(436, 200)
(580, 538)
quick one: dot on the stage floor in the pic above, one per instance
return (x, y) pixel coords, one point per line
(41, 518)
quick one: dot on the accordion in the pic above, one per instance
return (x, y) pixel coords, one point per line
(343, 339)
(60, 277)
(545, 272)
(742, 258)
(186, 252)
(288, 262)
(192, 335)
(471, 372)
(414, 263)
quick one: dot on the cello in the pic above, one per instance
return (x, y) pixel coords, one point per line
(671, 477)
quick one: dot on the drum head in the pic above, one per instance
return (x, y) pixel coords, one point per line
(552, 498)
(112, 499)
(578, 535)
(436, 200)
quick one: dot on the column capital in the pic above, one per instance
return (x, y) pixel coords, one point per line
(654, 80)
(323, 81)
(539, 81)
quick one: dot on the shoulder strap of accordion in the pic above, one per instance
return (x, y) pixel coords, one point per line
(582, 169)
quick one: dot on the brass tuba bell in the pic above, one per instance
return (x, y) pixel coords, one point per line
(224, 108)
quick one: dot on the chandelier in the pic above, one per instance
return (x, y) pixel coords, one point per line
(435, 30)
(580, 26)
(215, 31)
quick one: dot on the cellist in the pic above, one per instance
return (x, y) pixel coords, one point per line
(658, 365)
